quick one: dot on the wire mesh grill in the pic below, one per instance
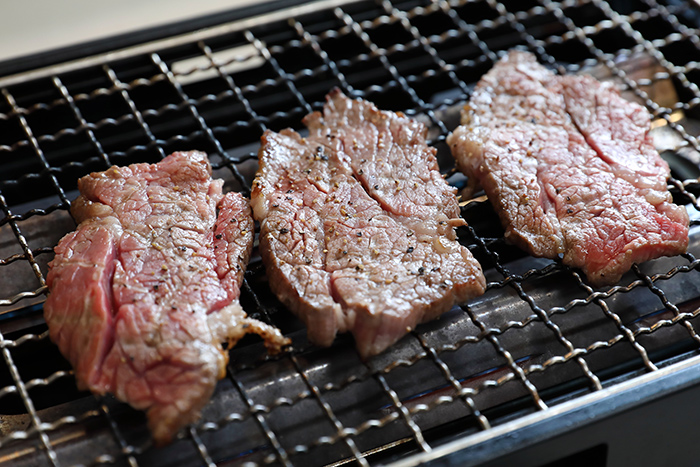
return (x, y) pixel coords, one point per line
(540, 335)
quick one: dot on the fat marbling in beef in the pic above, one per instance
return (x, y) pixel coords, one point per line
(145, 290)
(570, 168)
(357, 226)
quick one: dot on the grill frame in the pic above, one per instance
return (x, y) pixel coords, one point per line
(131, 453)
(581, 430)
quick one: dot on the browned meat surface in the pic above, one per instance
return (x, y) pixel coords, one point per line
(357, 226)
(569, 167)
(145, 291)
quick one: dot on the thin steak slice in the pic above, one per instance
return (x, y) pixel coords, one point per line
(145, 290)
(570, 169)
(357, 226)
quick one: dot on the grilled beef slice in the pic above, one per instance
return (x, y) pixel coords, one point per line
(357, 226)
(145, 290)
(570, 168)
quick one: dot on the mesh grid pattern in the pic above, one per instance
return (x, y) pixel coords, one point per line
(539, 336)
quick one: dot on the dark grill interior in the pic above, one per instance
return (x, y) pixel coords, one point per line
(539, 336)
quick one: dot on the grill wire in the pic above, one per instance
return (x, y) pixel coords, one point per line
(538, 337)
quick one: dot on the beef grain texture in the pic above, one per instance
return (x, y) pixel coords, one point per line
(145, 290)
(357, 226)
(570, 169)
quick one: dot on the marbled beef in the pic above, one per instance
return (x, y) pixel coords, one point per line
(145, 291)
(357, 226)
(570, 168)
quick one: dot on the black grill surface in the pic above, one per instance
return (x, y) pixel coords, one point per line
(539, 337)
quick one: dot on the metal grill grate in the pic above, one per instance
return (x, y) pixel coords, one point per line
(539, 336)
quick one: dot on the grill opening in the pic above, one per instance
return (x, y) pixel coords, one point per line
(539, 338)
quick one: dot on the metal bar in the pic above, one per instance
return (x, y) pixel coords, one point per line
(470, 30)
(61, 133)
(195, 113)
(125, 448)
(27, 215)
(403, 18)
(328, 411)
(542, 315)
(125, 87)
(284, 76)
(626, 332)
(16, 298)
(681, 187)
(27, 401)
(37, 149)
(18, 256)
(134, 110)
(280, 452)
(27, 253)
(83, 123)
(396, 402)
(517, 371)
(316, 46)
(27, 337)
(201, 448)
(232, 85)
(254, 116)
(362, 34)
(664, 300)
(445, 370)
(30, 109)
(647, 45)
(688, 33)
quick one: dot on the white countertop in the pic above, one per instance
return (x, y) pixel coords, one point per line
(32, 26)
